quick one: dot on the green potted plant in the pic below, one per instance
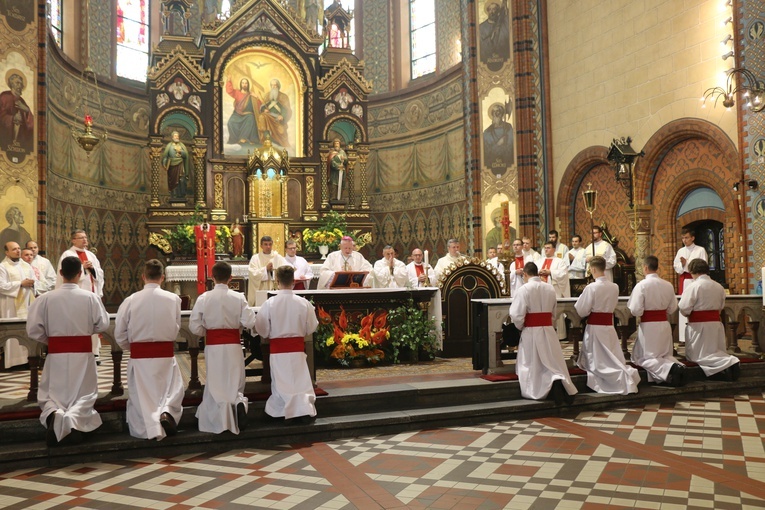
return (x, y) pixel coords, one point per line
(327, 236)
(412, 332)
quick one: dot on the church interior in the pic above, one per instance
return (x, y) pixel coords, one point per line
(417, 122)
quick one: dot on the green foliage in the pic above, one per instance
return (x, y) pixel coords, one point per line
(329, 233)
(181, 238)
(411, 330)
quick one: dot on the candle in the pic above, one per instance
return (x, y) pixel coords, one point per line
(88, 120)
(426, 260)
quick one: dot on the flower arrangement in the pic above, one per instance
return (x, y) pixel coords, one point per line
(181, 237)
(335, 339)
(222, 239)
(330, 232)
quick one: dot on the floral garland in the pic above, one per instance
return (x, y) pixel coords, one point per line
(336, 340)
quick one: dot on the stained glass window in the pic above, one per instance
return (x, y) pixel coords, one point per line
(132, 39)
(422, 25)
(56, 21)
(348, 5)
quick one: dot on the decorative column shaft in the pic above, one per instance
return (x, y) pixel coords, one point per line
(324, 152)
(155, 153)
(200, 151)
(352, 156)
(363, 157)
(640, 222)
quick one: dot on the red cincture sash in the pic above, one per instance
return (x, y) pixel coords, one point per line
(289, 344)
(704, 316)
(222, 336)
(69, 344)
(681, 281)
(600, 319)
(299, 286)
(143, 350)
(538, 320)
(654, 316)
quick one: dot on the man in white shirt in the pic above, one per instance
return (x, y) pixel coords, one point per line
(516, 267)
(420, 275)
(453, 255)
(64, 320)
(147, 325)
(92, 278)
(602, 249)
(652, 300)
(601, 354)
(47, 272)
(262, 266)
(540, 366)
(303, 271)
(560, 248)
(688, 252)
(219, 315)
(554, 270)
(17, 284)
(529, 253)
(703, 300)
(493, 259)
(389, 272)
(577, 261)
(345, 259)
(286, 319)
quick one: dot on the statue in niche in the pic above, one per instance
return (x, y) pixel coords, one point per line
(337, 160)
(237, 240)
(312, 14)
(177, 162)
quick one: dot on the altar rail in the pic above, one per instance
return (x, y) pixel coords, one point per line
(489, 315)
(16, 328)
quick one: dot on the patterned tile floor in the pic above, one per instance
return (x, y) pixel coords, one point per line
(692, 454)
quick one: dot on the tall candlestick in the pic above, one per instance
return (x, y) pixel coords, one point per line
(426, 259)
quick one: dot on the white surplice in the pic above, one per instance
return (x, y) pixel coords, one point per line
(303, 269)
(47, 274)
(578, 264)
(689, 253)
(69, 383)
(87, 282)
(14, 303)
(601, 355)
(221, 308)
(155, 385)
(515, 280)
(259, 277)
(444, 263)
(605, 250)
(385, 279)
(705, 341)
(496, 263)
(540, 359)
(558, 278)
(653, 347)
(287, 315)
(411, 273)
(336, 261)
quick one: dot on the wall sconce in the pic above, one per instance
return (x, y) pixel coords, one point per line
(728, 20)
(751, 184)
(727, 55)
(623, 156)
(727, 39)
(746, 83)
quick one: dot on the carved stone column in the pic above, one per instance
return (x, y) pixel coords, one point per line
(200, 163)
(324, 152)
(640, 222)
(352, 156)
(155, 148)
(363, 157)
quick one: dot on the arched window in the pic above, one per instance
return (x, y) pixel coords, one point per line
(422, 26)
(56, 20)
(132, 39)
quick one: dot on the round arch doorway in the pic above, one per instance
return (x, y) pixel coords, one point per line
(709, 234)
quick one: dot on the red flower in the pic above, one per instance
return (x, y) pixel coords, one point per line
(342, 321)
(366, 322)
(381, 320)
(339, 334)
(324, 317)
(379, 337)
(366, 333)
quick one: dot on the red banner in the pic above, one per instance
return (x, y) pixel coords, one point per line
(205, 236)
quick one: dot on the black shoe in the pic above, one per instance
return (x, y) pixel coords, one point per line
(568, 399)
(241, 416)
(676, 376)
(168, 423)
(557, 392)
(735, 371)
(74, 437)
(50, 434)
(724, 375)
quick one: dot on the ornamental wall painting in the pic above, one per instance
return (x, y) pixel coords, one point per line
(17, 120)
(261, 97)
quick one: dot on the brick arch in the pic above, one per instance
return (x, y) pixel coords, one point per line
(575, 173)
(669, 136)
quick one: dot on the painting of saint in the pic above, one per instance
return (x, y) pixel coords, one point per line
(17, 122)
(498, 143)
(260, 101)
(495, 34)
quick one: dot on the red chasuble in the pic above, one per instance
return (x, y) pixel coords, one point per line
(205, 254)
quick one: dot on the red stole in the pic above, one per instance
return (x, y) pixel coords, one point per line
(84, 258)
(205, 254)
(518, 263)
(418, 270)
(546, 265)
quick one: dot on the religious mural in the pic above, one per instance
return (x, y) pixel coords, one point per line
(494, 34)
(17, 120)
(261, 97)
